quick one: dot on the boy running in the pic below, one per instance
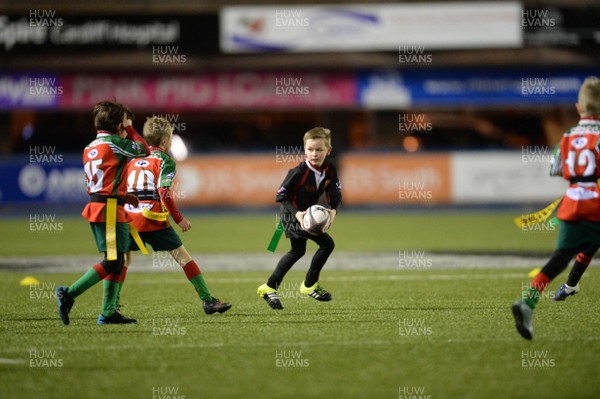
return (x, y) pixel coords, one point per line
(579, 211)
(302, 188)
(104, 162)
(150, 180)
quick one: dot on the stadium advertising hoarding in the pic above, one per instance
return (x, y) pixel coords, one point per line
(393, 179)
(371, 27)
(469, 87)
(504, 177)
(44, 30)
(43, 178)
(392, 89)
(230, 180)
(240, 180)
(490, 177)
(228, 90)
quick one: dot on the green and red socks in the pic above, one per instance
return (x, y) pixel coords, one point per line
(192, 272)
(111, 285)
(88, 280)
(531, 295)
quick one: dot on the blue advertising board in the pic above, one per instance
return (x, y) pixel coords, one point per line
(469, 87)
(42, 178)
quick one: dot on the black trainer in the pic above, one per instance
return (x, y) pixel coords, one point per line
(215, 306)
(65, 303)
(116, 318)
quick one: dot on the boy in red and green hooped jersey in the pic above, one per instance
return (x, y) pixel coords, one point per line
(579, 210)
(104, 161)
(150, 180)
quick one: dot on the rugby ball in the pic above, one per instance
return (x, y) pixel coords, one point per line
(316, 219)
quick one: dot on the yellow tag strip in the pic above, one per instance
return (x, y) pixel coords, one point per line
(111, 228)
(158, 216)
(536, 217)
(138, 240)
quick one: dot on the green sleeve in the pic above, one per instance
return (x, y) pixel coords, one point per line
(128, 148)
(167, 172)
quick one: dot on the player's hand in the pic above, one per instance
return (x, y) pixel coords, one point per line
(300, 218)
(332, 213)
(132, 200)
(185, 225)
(126, 121)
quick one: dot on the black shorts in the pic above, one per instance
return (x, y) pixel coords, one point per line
(292, 227)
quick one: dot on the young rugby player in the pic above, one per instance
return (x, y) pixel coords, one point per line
(104, 162)
(150, 180)
(302, 188)
(579, 211)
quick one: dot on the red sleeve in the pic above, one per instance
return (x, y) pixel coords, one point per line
(134, 136)
(169, 202)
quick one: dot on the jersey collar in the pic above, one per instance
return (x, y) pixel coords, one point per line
(314, 168)
(319, 174)
(154, 148)
(589, 120)
(103, 133)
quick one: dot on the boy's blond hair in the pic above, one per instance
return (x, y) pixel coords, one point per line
(319, 133)
(155, 129)
(589, 96)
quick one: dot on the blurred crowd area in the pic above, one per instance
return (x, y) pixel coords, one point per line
(448, 129)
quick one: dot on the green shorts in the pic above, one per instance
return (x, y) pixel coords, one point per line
(577, 234)
(159, 240)
(99, 232)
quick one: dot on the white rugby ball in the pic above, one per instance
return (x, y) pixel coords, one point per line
(316, 219)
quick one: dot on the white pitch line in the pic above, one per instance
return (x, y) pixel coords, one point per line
(11, 361)
(393, 277)
(412, 340)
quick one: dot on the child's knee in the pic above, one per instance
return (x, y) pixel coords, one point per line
(297, 253)
(114, 266)
(328, 245)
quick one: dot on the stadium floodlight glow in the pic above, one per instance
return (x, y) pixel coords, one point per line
(179, 150)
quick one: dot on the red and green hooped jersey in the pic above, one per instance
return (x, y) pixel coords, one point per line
(149, 174)
(580, 156)
(104, 161)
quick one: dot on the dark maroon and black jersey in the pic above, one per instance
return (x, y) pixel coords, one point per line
(304, 185)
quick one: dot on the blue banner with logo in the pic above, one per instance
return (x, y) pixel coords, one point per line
(42, 177)
(426, 86)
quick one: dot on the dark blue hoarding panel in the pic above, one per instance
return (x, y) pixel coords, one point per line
(42, 179)
(470, 87)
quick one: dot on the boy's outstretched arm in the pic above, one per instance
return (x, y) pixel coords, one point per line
(169, 203)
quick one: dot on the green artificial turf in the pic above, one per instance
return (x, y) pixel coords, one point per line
(430, 333)
(440, 231)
